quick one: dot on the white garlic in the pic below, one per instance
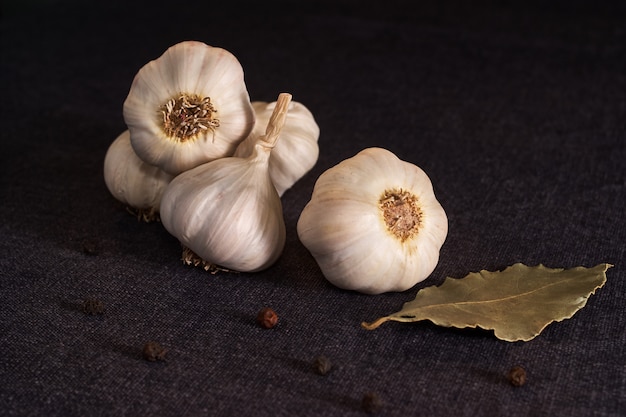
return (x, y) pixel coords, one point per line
(227, 211)
(297, 150)
(373, 223)
(132, 181)
(188, 107)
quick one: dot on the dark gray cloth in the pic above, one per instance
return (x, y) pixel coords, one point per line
(514, 109)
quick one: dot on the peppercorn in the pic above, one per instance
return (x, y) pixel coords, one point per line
(267, 318)
(322, 365)
(517, 376)
(371, 402)
(93, 306)
(152, 351)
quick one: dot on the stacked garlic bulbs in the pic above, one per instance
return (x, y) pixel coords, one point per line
(191, 106)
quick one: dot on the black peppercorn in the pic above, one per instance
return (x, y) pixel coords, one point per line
(93, 307)
(322, 365)
(152, 351)
(267, 318)
(371, 402)
(517, 376)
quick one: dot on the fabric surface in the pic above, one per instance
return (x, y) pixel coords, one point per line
(515, 110)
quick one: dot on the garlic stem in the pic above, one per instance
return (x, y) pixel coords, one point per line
(276, 122)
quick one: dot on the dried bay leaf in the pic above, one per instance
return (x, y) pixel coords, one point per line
(516, 303)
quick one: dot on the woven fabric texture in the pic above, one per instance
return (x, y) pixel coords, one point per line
(515, 110)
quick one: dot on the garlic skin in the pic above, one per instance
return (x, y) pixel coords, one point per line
(373, 223)
(228, 211)
(132, 181)
(297, 150)
(188, 107)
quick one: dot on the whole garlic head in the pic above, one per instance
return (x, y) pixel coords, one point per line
(132, 181)
(373, 223)
(228, 211)
(297, 150)
(188, 107)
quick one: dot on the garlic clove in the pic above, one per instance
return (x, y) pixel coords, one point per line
(132, 181)
(373, 223)
(188, 107)
(297, 150)
(228, 211)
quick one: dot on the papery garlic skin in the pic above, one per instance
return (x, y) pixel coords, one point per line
(188, 107)
(228, 211)
(226, 214)
(346, 230)
(297, 150)
(132, 181)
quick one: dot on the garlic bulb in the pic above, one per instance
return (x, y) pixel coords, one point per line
(297, 150)
(132, 181)
(373, 223)
(188, 107)
(227, 211)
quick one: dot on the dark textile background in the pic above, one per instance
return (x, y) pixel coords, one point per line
(516, 110)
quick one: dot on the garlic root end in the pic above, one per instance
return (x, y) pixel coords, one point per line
(189, 257)
(147, 215)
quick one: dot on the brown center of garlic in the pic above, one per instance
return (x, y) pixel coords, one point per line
(187, 116)
(401, 212)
